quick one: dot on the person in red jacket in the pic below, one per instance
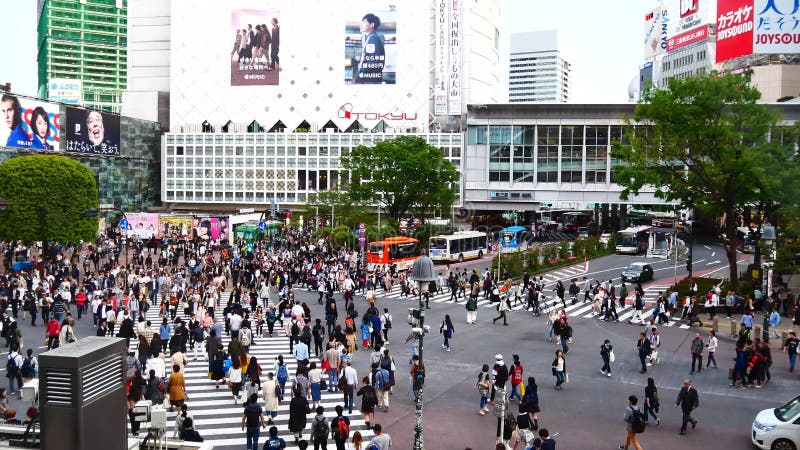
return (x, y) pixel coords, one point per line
(80, 300)
(52, 330)
(516, 378)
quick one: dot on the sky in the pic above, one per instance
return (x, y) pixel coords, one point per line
(602, 42)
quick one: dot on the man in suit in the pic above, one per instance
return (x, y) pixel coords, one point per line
(644, 351)
(688, 400)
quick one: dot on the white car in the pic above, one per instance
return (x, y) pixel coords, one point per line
(778, 428)
(604, 238)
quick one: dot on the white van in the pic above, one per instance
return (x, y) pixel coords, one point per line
(778, 428)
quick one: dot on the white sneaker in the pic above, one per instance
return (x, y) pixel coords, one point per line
(608, 374)
(602, 371)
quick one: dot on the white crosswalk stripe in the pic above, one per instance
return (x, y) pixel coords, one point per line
(218, 419)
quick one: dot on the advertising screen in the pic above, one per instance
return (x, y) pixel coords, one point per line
(29, 123)
(91, 131)
(142, 225)
(777, 26)
(175, 227)
(734, 29)
(213, 228)
(370, 42)
(255, 55)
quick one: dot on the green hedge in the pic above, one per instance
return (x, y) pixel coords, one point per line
(552, 256)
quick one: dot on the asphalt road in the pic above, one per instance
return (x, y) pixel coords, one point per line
(588, 412)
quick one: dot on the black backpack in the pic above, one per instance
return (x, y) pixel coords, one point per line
(27, 367)
(638, 424)
(322, 429)
(11, 366)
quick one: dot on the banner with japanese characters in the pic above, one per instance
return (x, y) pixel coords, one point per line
(92, 131)
(734, 29)
(255, 53)
(777, 26)
(29, 124)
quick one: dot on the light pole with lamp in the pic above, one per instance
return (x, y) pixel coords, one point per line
(422, 274)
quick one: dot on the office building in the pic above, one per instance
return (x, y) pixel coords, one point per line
(537, 70)
(83, 44)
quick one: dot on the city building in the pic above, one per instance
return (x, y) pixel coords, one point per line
(537, 71)
(252, 122)
(83, 44)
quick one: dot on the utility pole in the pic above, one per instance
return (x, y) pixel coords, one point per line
(422, 274)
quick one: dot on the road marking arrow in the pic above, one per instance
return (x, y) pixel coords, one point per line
(713, 262)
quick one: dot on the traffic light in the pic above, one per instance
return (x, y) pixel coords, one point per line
(689, 264)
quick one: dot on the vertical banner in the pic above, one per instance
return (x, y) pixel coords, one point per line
(370, 42)
(456, 47)
(256, 47)
(656, 30)
(142, 225)
(734, 29)
(440, 57)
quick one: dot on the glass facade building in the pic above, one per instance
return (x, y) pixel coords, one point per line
(84, 40)
(260, 168)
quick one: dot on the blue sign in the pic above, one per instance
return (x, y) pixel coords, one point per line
(123, 224)
(262, 226)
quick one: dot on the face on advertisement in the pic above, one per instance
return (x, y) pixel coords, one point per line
(8, 109)
(369, 23)
(39, 121)
(94, 122)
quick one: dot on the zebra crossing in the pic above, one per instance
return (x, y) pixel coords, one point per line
(218, 419)
(578, 310)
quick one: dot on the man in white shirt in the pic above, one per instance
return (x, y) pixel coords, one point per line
(351, 376)
(235, 323)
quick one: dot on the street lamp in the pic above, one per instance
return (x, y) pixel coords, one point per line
(422, 274)
(4, 204)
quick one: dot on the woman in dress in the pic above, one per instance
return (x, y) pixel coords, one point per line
(298, 410)
(235, 379)
(177, 387)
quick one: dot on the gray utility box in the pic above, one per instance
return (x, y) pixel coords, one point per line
(82, 395)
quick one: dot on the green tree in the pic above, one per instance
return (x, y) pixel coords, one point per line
(402, 175)
(705, 143)
(59, 187)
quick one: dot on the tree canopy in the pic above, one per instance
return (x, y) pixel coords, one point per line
(706, 143)
(60, 187)
(403, 175)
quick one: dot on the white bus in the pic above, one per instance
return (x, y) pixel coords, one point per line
(458, 246)
(633, 240)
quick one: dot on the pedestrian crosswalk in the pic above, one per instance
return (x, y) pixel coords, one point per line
(218, 419)
(580, 309)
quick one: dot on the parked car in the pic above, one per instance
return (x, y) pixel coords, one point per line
(605, 237)
(778, 428)
(638, 272)
(583, 233)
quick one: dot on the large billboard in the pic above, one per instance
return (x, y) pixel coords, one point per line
(255, 54)
(91, 131)
(142, 225)
(441, 50)
(777, 26)
(370, 42)
(29, 123)
(734, 29)
(456, 47)
(175, 227)
(656, 24)
(211, 228)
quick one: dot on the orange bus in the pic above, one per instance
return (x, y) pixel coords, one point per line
(399, 250)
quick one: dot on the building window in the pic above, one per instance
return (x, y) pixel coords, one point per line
(523, 154)
(477, 134)
(596, 154)
(571, 153)
(547, 154)
(499, 153)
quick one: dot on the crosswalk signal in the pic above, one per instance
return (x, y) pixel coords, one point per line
(689, 264)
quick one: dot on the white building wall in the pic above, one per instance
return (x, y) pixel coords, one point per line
(482, 52)
(148, 58)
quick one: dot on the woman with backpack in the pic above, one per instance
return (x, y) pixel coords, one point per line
(446, 330)
(472, 304)
(483, 385)
(281, 374)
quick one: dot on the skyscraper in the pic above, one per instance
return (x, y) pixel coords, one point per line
(537, 70)
(84, 40)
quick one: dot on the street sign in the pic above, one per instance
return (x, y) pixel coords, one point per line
(123, 224)
(262, 226)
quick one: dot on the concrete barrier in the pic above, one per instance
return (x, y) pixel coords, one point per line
(734, 329)
(715, 324)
